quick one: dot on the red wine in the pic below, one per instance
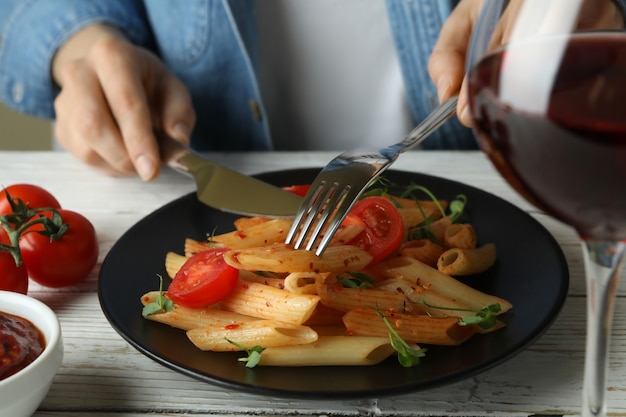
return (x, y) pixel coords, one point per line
(562, 146)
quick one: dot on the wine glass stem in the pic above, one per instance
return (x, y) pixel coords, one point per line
(602, 266)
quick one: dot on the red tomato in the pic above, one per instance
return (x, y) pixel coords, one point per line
(383, 226)
(12, 277)
(300, 190)
(32, 195)
(65, 261)
(204, 279)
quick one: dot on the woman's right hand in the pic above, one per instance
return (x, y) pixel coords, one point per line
(113, 95)
(446, 65)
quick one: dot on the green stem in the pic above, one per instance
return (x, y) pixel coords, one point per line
(17, 224)
(14, 240)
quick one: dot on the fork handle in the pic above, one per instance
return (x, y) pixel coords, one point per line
(435, 119)
(175, 154)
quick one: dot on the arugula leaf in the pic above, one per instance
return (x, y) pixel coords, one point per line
(408, 355)
(356, 280)
(254, 354)
(160, 305)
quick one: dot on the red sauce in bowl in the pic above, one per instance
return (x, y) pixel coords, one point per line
(21, 342)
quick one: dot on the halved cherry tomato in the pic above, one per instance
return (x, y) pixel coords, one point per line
(300, 190)
(65, 261)
(12, 278)
(204, 279)
(382, 223)
(32, 195)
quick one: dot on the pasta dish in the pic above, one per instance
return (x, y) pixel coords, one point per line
(388, 284)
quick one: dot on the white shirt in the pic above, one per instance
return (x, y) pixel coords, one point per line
(329, 74)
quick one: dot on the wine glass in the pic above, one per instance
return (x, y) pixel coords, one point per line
(546, 87)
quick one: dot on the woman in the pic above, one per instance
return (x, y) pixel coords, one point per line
(112, 71)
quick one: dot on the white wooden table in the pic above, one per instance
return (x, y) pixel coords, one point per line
(102, 375)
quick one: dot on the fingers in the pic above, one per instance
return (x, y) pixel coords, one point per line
(446, 65)
(84, 124)
(88, 124)
(111, 101)
(121, 78)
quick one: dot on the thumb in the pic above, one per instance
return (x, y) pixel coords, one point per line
(463, 110)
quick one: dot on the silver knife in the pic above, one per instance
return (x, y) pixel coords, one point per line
(225, 189)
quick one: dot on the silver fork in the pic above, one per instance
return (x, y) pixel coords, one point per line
(338, 186)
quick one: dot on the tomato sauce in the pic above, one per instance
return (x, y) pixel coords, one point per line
(21, 342)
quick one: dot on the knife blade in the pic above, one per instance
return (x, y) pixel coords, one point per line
(226, 189)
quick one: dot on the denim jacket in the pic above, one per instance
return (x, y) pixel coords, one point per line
(211, 46)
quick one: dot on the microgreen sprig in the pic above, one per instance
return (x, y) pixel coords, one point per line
(254, 354)
(356, 280)
(408, 192)
(378, 187)
(266, 274)
(381, 186)
(423, 232)
(457, 207)
(160, 305)
(486, 317)
(408, 355)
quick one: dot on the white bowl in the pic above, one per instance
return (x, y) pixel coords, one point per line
(22, 392)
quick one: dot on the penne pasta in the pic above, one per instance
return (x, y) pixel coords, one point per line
(283, 258)
(425, 300)
(345, 234)
(261, 234)
(193, 246)
(262, 278)
(424, 250)
(258, 300)
(302, 282)
(411, 217)
(459, 235)
(330, 351)
(173, 262)
(412, 328)
(266, 333)
(188, 318)
(438, 228)
(421, 274)
(332, 294)
(458, 261)
(244, 222)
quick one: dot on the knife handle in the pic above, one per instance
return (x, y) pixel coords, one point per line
(173, 152)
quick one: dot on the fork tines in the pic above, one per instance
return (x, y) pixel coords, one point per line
(326, 198)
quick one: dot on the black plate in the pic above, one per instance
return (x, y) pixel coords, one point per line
(531, 272)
